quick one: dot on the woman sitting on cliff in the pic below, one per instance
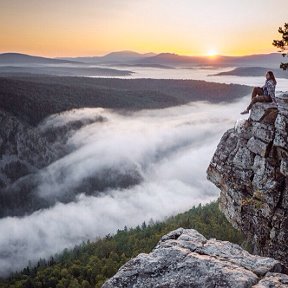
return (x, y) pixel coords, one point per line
(265, 93)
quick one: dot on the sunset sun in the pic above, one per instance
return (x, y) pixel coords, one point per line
(212, 53)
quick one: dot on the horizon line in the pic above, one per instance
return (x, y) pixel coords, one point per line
(140, 53)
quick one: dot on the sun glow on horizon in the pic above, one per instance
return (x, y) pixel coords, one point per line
(212, 53)
(71, 28)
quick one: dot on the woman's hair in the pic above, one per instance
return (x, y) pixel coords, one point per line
(272, 77)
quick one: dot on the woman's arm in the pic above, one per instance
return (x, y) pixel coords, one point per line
(271, 89)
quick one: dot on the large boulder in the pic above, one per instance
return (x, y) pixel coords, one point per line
(250, 167)
(185, 258)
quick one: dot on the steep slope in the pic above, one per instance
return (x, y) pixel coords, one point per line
(23, 150)
(250, 167)
(185, 258)
(28, 159)
(98, 261)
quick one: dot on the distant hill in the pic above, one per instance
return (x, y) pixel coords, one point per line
(67, 70)
(253, 71)
(272, 60)
(17, 58)
(124, 56)
(15, 63)
(175, 60)
(113, 57)
(134, 58)
(147, 65)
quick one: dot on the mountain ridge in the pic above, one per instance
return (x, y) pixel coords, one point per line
(117, 56)
(150, 57)
(167, 58)
(18, 58)
(131, 57)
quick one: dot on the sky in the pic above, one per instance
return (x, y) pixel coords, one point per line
(96, 27)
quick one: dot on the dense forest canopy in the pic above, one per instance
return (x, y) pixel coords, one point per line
(91, 263)
(32, 98)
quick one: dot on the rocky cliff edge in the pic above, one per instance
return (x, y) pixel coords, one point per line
(250, 167)
(185, 258)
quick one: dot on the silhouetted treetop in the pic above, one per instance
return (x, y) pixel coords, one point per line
(283, 44)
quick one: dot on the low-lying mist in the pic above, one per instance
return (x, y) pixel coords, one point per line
(167, 150)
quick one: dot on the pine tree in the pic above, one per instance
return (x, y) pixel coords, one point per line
(283, 44)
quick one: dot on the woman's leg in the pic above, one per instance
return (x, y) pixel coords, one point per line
(257, 92)
(259, 98)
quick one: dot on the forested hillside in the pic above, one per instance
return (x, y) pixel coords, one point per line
(32, 98)
(90, 264)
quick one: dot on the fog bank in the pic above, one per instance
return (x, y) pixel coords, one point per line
(170, 149)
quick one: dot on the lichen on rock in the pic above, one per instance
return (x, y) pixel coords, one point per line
(250, 167)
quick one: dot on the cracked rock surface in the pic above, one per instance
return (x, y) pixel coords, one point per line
(250, 167)
(185, 258)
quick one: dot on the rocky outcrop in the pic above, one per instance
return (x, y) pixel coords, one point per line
(250, 167)
(24, 148)
(185, 258)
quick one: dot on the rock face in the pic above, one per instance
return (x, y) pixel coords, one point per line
(185, 258)
(23, 150)
(250, 167)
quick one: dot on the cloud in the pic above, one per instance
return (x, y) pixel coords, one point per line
(170, 148)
